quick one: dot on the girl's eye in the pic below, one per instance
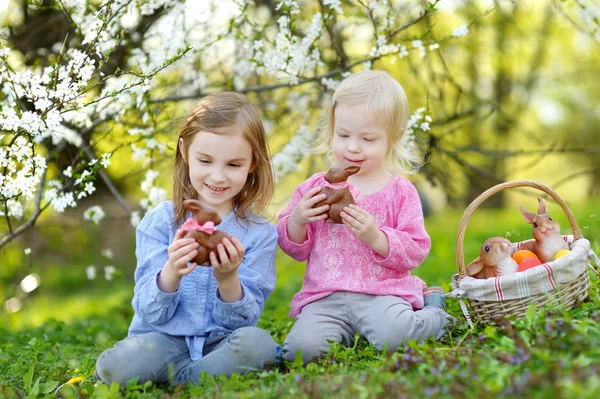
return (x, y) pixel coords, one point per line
(369, 140)
(203, 161)
(234, 165)
(342, 135)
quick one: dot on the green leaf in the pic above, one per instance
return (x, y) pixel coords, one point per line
(35, 389)
(530, 313)
(28, 378)
(298, 362)
(49, 387)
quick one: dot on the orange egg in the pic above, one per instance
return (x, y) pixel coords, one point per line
(528, 263)
(522, 254)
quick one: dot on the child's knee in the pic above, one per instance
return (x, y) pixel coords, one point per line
(256, 344)
(388, 336)
(310, 346)
(108, 369)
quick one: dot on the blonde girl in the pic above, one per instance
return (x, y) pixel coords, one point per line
(358, 276)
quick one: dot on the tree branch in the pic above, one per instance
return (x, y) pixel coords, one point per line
(36, 213)
(111, 187)
(258, 89)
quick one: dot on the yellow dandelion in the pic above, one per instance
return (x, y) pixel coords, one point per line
(75, 380)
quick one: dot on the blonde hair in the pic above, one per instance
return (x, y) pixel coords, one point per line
(386, 103)
(216, 111)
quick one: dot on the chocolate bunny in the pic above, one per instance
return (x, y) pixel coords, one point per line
(546, 232)
(495, 259)
(202, 229)
(338, 196)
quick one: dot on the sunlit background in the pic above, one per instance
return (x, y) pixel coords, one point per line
(516, 97)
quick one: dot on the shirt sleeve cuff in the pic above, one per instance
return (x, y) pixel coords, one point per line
(241, 307)
(380, 259)
(292, 243)
(166, 298)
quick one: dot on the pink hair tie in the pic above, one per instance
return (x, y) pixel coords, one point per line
(192, 224)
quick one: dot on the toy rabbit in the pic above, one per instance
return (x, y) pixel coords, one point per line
(546, 231)
(495, 259)
(202, 228)
(338, 194)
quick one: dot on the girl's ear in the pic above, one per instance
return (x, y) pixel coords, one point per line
(182, 150)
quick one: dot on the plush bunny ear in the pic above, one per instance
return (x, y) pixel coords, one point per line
(542, 206)
(475, 267)
(528, 216)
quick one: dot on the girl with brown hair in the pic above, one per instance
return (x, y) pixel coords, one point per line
(189, 318)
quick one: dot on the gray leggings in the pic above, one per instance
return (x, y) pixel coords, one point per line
(162, 358)
(382, 320)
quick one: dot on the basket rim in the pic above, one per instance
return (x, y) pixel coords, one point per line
(460, 256)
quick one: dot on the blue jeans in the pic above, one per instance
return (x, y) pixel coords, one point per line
(163, 358)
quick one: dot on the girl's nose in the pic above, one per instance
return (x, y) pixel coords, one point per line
(217, 175)
(353, 146)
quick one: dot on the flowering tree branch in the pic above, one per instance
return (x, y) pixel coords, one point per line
(121, 71)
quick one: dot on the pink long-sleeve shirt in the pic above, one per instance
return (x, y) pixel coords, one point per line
(338, 261)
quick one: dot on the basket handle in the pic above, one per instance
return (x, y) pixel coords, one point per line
(460, 253)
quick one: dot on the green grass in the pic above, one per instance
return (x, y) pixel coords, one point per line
(551, 353)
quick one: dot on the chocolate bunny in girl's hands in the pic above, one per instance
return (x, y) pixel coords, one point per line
(495, 259)
(546, 231)
(338, 195)
(202, 229)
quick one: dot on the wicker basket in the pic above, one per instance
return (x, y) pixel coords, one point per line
(567, 294)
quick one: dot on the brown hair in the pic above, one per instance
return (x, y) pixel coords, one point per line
(385, 101)
(216, 111)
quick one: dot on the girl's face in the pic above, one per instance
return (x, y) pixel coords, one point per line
(219, 165)
(359, 139)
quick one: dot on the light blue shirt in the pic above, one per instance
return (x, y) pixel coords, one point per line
(196, 311)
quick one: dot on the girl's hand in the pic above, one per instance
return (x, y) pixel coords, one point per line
(231, 253)
(181, 251)
(304, 213)
(362, 225)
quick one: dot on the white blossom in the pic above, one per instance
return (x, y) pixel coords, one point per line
(105, 160)
(90, 272)
(94, 214)
(15, 208)
(419, 46)
(287, 159)
(334, 5)
(135, 218)
(155, 195)
(330, 84)
(109, 271)
(107, 253)
(461, 31)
